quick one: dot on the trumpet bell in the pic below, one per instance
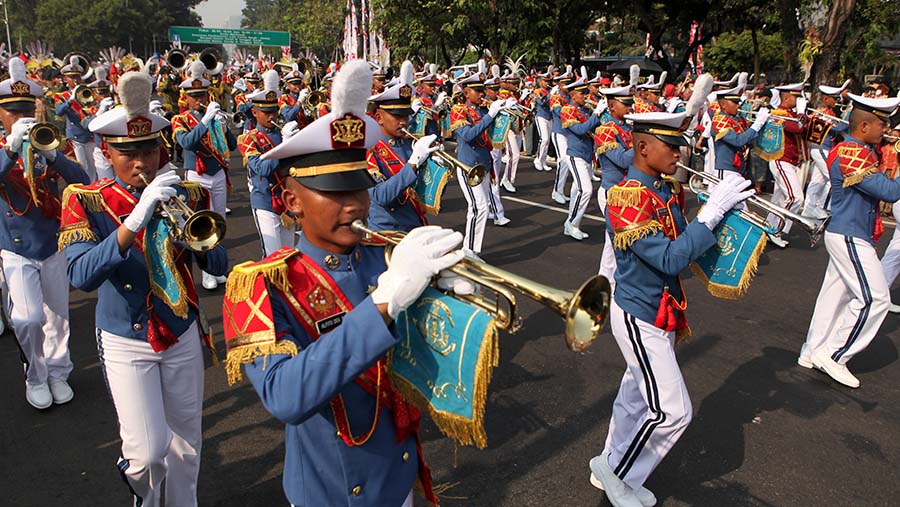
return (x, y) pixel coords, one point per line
(177, 59)
(83, 95)
(203, 230)
(587, 309)
(475, 174)
(44, 136)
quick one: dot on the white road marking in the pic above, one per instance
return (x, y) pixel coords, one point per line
(564, 211)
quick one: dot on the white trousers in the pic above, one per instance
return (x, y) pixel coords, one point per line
(217, 185)
(890, 262)
(84, 153)
(513, 153)
(495, 205)
(159, 403)
(103, 167)
(562, 163)
(581, 191)
(608, 258)
(38, 297)
(543, 129)
(477, 210)
(788, 190)
(652, 408)
(819, 182)
(852, 303)
(272, 233)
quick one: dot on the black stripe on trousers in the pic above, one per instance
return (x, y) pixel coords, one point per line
(559, 158)
(262, 243)
(575, 200)
(474, 205)
(650, 424)
(867, 298)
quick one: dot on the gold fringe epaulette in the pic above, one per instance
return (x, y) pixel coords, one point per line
(88, 195)
(628, 236)
(74, 234)
(458, 123)
(721, 133)
(245, 355)
(194, 190)
(856, 177)
(603, 148)
(274, 267)
(625, 196)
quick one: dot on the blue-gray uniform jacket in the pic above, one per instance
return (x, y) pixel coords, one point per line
(730, 134)
(542, 105)
(837, 131)
(27, 229)
(856, 187)
(190, 135)
(614, 151)
(262, 173)
(470, 125)
(75, 130)
(390, 208)
(289, 113)
(578, 127)
(557, 128)
(652, 262)
(319, 468)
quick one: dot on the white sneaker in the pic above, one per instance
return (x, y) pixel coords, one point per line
(551, 159)
(38, 395)
(501, 221)
(537, 165)
(209, 281)
(508, 186)
(892, 309)
(835, 370)
(778, 241)
(617, 492)
(504, 159)
(227, 211)
(574, 232)
(805, 362)
(558, 198)
(61, 391)
(644, 495)
(221, 279)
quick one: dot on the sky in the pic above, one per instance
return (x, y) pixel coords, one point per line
(218, 13)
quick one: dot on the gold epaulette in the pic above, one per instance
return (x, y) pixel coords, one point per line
(635, 218)
(626, 194)
(88, 195)
(244, 275)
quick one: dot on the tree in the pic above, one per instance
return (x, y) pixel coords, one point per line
(316, 25)
(734, 52)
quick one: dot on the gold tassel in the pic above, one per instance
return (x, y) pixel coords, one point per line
(625, 197)
(194, 190)
(624, 239)
(856, 177)
(243, 278)
(682, 335)
(245, 355)
(603, 148)
(71, 234)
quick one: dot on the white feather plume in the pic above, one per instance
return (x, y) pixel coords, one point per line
(73, 61)
(196, 70)
(495, 71)
(634, 74)
(270, 80)
(101, 73)
(568, 70)
(742, 79)
(662, 78)
(775, 101)
(17, 70)
(351, 89)
(134, 91)
(584, 73)
(432, 68)
(407, 73)
(734, 78)
(702, 88)
(482, 67)
(650, 80)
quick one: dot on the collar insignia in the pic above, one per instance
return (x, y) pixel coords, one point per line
(332, 262)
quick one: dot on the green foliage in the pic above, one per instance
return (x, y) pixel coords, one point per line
(733, 52)
(316, 25)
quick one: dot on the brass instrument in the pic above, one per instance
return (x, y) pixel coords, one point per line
(815, 228)
(584, 310)
(199, 230)
(826, 116)
(238, 117)
(83, 95)
(312, 101)
(773, 116)
(277, 123)
(474, 174)
(177, 59)
(44, 136)
(457, 98)
(210, 60)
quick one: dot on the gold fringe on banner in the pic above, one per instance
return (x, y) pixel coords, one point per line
(734, 292)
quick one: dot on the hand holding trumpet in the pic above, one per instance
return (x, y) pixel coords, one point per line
(18, 133)
(212, 110)
(159, 190)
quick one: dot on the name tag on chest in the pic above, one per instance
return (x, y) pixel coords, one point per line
(328, 323)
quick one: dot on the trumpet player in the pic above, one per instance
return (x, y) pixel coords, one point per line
(559, 98)
(38, 296)
(322, 385)
(730, 133)
(855, 297)
(495, 204)
(542, 119)
(427, 96)
(103, 101)
(819, 183)
(290, 104)
(206, 143)
(67, 105)
(242, 104)
(263, 179)
(148, 318)
(395, 160)
(653, 244)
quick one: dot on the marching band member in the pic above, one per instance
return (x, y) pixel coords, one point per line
(314, 348)
(206, 143)
(149, 321)
(496, 211)
(68, 106)
(509, 84)
(38, 295)
(470, 122)
(578, 123)
(731, 137)
(855, 296)
(262, 175)
(104, 101)
(788, 187)
(379, 78)
(654, 243)
(557, 100)
(290, 104)
(819, 182)
(242, 104)
(647, 99)
(395, 159)
(542, 119)
(426, 96)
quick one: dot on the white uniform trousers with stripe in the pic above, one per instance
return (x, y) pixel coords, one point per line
(652, 408)
(890, 261)
(38, 310)
(819, 182)
(542, 126)
(788, 190)
(562, 163)
(495, 205)
(852, 303)
(513, 153)
(477, 210)
(84, 154)
(159, 403)
(608, 258)
(272, 233)
(581, 191)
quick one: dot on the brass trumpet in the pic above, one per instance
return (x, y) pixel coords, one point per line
(773, 116)
(312, 101)
(44, 136)
(83, 95)
(815, 228)
(474, 174)
(199, 230)
(826, 116)
(177, 59)
(584, 310)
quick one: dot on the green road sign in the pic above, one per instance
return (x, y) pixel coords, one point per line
(199, 35)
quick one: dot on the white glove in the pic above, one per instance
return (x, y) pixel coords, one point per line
(107, 103)
(289, 129)
(422, 148)
(49, 155)
(423, 253)
(17, 134)
(524, 95)
(554, 89)
(496, 107)
(416, 105)
(212, 109)
(440, 99)
(302, 95)
(800, 108)
(728, 193)
(511, 103)
(602, 105)
(160, 189)
(762, 116)
(460, 285)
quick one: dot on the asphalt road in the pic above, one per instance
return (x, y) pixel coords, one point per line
(765, 431)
